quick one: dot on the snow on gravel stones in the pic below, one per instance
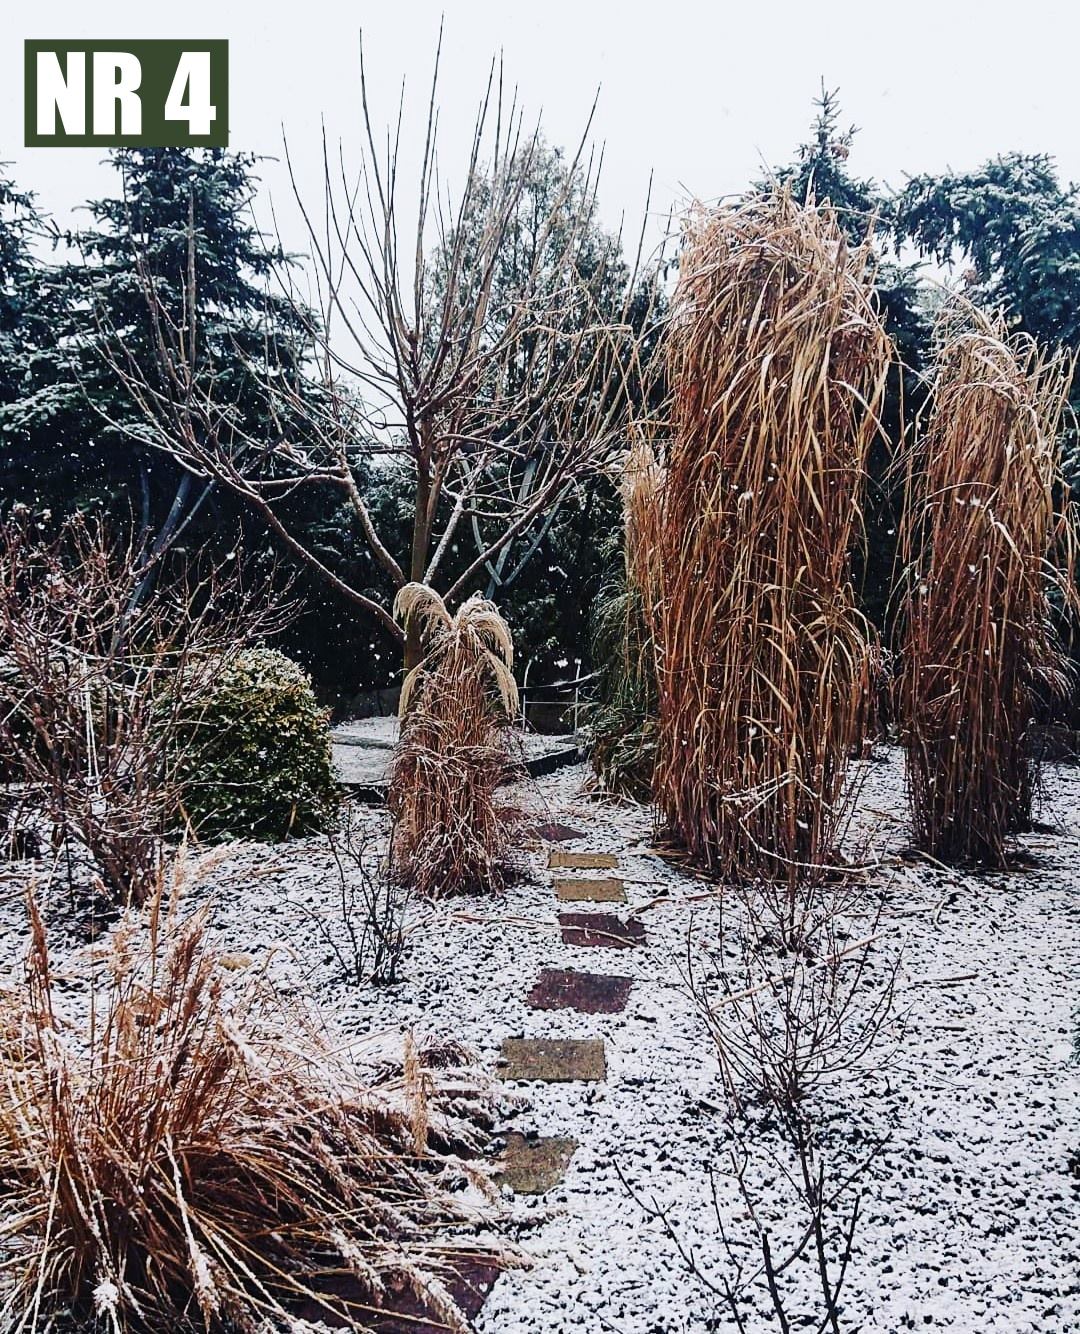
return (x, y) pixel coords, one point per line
(971, 1221)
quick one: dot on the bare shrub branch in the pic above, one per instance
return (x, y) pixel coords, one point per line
(94, 678)
(367, 937)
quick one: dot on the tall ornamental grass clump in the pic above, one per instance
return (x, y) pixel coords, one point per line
(452, 831)
(986, 536)
(777, 361)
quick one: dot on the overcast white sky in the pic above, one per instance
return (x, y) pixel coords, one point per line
(702, 94)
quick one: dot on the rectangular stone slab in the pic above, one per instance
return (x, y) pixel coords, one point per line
(553, 1060)
(533, 1165)
(588, 993)
(610, 890)
(600, 930)
(558, 860)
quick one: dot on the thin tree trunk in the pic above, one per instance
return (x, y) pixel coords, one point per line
(421, 542)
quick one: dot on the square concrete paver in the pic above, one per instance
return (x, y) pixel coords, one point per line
(589, 993)
(553, 1060)
(534, 1164)
(560, 860)
(601, 930)
(610, 890)
(553, 832)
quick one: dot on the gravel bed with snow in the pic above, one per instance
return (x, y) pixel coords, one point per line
(970, 1219)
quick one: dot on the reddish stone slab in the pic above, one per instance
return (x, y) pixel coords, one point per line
(553, 832)
(589, 993)
(601, 930)
(469, 1279)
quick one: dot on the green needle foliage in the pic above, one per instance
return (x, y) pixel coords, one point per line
(623, 727)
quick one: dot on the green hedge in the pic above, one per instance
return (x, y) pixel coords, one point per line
(253, 758)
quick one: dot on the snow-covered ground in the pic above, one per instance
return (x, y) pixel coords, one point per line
(970, 1219)
(362, 749)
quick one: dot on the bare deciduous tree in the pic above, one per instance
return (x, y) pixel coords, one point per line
(493, 397)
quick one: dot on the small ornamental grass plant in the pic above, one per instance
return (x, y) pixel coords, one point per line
(193, 1153)
(986, 537)
(452, 832)
(777, 362)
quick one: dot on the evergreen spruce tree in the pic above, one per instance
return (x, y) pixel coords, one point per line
(23, 326)
(865, 211)
(181, 219)
(1017, 229)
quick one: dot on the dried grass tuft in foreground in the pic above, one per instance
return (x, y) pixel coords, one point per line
(189, 1153)
(984, 540)
(777, 361)
(452, 834)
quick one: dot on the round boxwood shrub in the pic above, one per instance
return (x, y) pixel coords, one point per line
(253, 756)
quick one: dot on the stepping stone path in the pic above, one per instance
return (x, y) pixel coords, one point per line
(554, 1060)
(600, 930)
(534, 1164)
(588, 993)
(610, 890)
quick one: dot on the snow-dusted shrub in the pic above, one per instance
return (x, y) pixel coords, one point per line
(96, 662)
(253, 757)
